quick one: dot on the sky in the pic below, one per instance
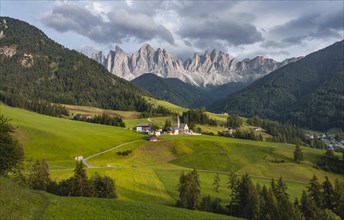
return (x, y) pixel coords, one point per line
(244, 29)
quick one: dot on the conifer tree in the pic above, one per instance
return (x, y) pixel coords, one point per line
(268, 204)
(216, 184)
(308, 207)
(298, 154)
(39, 178)
(314, 190)
(339, 198)
(328, 194)
(80, 184)
(189, 190)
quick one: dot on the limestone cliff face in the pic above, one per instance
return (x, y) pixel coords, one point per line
(214, 68)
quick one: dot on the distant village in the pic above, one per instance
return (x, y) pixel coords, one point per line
(180, 128)
(329, 141)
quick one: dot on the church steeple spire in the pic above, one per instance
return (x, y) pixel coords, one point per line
(178, 122)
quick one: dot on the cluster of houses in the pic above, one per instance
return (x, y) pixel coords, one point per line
(329, 141)
(180, 128)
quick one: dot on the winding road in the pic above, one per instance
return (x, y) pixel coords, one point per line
(84, 161)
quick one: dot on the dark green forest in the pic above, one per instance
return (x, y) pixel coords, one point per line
(249, 201)
(36, 68)
(185, 94)
(308, 93)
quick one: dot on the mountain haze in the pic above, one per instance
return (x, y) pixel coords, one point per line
(214, 68)
(309, 92)
(35, 67)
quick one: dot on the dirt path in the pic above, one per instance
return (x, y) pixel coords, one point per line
(84, 161)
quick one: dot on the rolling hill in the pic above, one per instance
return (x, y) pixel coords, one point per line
(308, 93)
(184, 94)
(151, 172)
(33, 67)
(40, 205)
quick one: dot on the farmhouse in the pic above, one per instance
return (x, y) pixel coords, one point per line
(144, 128)
(85, 116)
(257, 129)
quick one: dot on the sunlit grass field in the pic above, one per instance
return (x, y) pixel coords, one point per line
(151, 172)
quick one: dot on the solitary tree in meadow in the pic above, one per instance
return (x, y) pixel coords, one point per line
(298, 154)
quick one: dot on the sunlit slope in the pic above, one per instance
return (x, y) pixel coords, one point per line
(60, 140)
(21, 203)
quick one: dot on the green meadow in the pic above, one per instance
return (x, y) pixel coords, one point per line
(18, 202)
(60, 140)
(151, 172)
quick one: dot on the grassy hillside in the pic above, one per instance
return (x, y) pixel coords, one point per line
(75, 109)
(151, 172)
(21, 203)
(180, 110)
(60, 140)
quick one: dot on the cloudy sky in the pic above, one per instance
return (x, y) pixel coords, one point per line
(244, 29)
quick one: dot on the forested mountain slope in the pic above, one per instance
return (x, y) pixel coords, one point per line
(35, 67)
(309, 92)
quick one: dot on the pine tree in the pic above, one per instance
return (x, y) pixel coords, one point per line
(39, 178)
(80, 184)
(298, 154)
(11, 152)
(328, 194)
(308, 207)
(281, 190)
(247, 198)
(195, 190)
(183, 190)
(189, 190)
(339, 198)
(314, 190)
(216, 184)
(268, 204)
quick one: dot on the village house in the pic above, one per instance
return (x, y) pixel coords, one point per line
(85, 116)
(257, 129)
(143, 128)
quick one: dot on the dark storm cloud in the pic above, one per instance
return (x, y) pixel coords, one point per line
(232, 33)
(122, 25)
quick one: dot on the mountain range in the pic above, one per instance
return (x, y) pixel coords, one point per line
(209, 69)
(309, 92)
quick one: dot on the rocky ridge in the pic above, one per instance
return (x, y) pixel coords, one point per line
(214, 68)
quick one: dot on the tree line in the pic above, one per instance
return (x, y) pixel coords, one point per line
(254, 201)
(39, 106)
(102, 119)
(284, 133)
(197, 116)
(35, 175)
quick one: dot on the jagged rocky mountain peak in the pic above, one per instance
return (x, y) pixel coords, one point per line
(212, 68)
